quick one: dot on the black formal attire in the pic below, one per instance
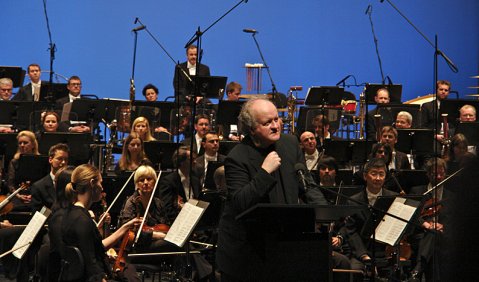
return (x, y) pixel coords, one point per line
(56, 244)
(362, 245)
(43, 193)
(387, 118)
(239, 255)
(401, 161)
(79, 230)
(183, 87)
(25, 93)
(170, 188)
(187, 141)
(431, 119)
(62, 101)
(200, 169)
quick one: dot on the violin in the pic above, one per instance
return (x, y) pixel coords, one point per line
(6, 205)
(158, 228)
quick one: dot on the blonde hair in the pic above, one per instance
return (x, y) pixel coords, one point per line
(80, 181)
(144, 171)
(125, 158)
(148, 136)
(30, 135)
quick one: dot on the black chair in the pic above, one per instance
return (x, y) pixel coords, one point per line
(72, 265)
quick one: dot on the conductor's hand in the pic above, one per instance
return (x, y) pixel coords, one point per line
(271, 162)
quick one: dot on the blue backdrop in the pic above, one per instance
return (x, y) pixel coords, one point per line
(310, 42)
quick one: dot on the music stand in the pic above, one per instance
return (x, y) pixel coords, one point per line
(395, 92)
(32, 168)
(324, 95)
(410, 178)
(212, 215)
(340, 150)
(361, 150)
(344, 175)
(394, 109)
(211, 86)
(226, 146)
(110, 107)
(470, 131)
(16, 74)
(346, 190)
(228, 112)
(451, 108)
(160, 153)
(149, 109)
(78, 143)
(418, 141)
(59, 90)
(88, 109)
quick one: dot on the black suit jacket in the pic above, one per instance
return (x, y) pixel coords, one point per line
(200, 167)
(355, 223)
(402, 161)
(24, 93)
(428, 119)
(239, 252)
(386, 119)
(43, 193)
(181, 84)
(170, 188)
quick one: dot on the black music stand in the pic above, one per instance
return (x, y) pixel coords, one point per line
(340, 150)
(19, 114)
(470, 130)
(211, 218)
(160, 153)
(90, 110)
(361, 150)
(395, 92)
(148, 110)
(226, 146)
(58, 90)
(394, 109)
(417, 141)
(78, 143)
(16, 74)
(412, 177)
(32, 168)
(211, 86)
(228, 112)
(451, 108)
(324, 95)
(345, 176)
(346, 190)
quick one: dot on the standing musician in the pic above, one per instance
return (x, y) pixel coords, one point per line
(150, 239)
(79, 230)
(183, 87)
(258, 170)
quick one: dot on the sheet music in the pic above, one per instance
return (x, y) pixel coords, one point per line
(31, 231)
(185, 222)
(390, 229)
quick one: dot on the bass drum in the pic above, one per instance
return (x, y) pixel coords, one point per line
(421, 100)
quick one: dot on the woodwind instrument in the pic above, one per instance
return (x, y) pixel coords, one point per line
(362, 114)
(377, 124)
(447, 141)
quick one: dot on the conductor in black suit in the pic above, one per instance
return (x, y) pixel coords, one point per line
(182, 85)
(43, 191)
(258, 170)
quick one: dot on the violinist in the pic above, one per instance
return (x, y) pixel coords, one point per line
(142, 127)
(79, 230)
(425, 262)
(133, 154)
(150, 238)
(27, 144)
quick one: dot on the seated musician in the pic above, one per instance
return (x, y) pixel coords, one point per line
(311, 153)
(403, 120)
(322, 129)
(382, 97)
(458, 153)
(135, 206)
(467, 113)
(43, 190)
(150, 92)
(74, 87)
(327, 171)
(399, 160)
(27, 144)
(79, 230)
(211, 145)
(142, 127)
(176, 187)
(202, 126)
(423, 241)
(133, 154)
(374, 174)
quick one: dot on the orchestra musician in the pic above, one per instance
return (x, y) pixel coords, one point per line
(403, 120)
(309, 146)
(202, 126)
(6, 89)
(399, 160)
(74, 87)
(258, 170)
(430, 114)
(467, 113)
(133, 154)
(79, 230)
(382, 97)
(31, 91)
(233, 91)
(142, 127)
(211, 145)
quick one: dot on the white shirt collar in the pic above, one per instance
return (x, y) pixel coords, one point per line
(372, 197)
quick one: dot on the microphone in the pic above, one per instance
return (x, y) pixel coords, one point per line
(136, 20)
(300, 170)
(250, 30)
(342, 81)
(369, 9)
(138, 28)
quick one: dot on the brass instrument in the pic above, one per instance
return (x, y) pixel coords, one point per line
(362, 114)
(291, 106)
(377, 123)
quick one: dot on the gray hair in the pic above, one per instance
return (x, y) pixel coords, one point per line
(467, 107)
(407, 115)
(246, 119)
(6, 81)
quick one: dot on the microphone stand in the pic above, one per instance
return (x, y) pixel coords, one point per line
(274, 90)
(50, 96)
(369, 12)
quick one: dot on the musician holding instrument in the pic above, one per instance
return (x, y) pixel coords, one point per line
(79, 230)
(430, 114)
(156, 221)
